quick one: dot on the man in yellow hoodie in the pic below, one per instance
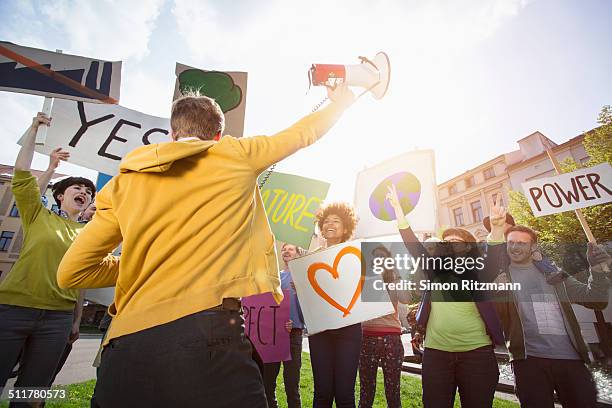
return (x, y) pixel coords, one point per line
(195, 240)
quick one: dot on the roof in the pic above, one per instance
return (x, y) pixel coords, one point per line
(5, 169)
(573, 141)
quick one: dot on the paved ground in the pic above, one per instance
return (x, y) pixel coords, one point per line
(78, 367)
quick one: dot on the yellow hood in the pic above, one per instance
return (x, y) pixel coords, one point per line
(157, 158)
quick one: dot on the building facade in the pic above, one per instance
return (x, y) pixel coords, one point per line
(464, 200)
(11, 233)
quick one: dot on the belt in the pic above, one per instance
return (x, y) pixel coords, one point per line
(229, 304)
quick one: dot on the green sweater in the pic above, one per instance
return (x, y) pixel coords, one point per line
(455, 327)
(32, 282)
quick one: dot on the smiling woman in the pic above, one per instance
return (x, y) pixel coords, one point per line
(335, 353)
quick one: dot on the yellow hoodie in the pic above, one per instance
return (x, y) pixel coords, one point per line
(192, 223)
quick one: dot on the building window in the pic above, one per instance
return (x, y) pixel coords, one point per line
(452, 189)
(499, 197)
(458, 214)
(470, 181)
(14, 211)
(476, 211)
(489, 173)
(5, 240)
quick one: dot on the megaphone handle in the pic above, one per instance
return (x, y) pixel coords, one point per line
(366, 60)
(368, 90)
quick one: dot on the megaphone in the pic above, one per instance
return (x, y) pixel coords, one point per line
(373, 75)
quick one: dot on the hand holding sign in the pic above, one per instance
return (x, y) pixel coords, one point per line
(40, 119)
(598, 258)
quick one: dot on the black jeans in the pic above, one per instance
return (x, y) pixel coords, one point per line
(40, 336)
(475, 373)
(537, 378)
(291, 374)
(203, 359)
(334, 355)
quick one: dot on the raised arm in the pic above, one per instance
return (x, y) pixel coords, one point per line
(263, 151)
(594, 293)
(54, 159)
(497, 216)
(26, 153)
(411, 241)
(88, 263)
(496, 262)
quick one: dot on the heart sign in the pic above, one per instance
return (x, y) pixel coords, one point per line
(333, 271)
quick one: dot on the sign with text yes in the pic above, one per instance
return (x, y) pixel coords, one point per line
(98, 136)
(291, 203)
(569, 191)
(329, 284)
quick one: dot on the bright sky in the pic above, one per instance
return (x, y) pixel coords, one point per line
(469, 78)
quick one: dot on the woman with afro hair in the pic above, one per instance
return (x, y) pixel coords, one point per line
(334, 354)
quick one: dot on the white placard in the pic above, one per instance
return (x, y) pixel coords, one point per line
(98, 136)
(569, 191)
(67, 76)
(413, 174)
(329, 284)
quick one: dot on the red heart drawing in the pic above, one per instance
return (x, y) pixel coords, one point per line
(333, 271)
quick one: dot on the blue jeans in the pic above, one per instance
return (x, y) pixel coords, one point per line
(203, 359)
(39, 335)
(334, 355)
(474, 373)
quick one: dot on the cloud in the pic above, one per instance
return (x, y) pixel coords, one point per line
(110, 29)
(214, 30)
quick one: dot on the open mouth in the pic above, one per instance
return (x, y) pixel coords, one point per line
(79, 200)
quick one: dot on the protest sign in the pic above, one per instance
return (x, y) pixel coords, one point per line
(329, 284)
(569, 191)
(228, 89)
(413, 174)
(291, 202)
(98, 136)
(264, 323)
(53, 74)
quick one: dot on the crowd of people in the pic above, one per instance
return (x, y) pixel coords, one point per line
(195, 240)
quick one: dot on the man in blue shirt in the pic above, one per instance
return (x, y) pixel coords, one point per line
(295, 326)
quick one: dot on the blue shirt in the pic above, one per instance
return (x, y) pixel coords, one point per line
(295, 313)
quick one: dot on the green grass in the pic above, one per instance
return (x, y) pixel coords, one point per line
(79, 394)
(410, 389)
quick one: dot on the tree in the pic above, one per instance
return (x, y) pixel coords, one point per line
(564, 228)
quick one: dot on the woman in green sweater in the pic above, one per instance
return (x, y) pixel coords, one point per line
(36, 316)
